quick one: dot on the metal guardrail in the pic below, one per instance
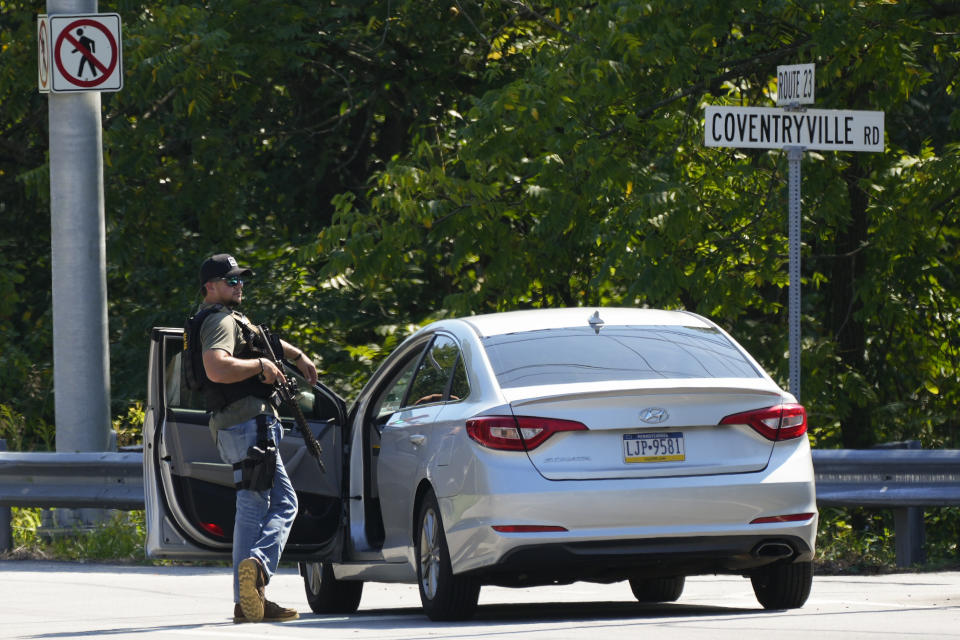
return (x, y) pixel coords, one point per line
(905, 480)
(887, 478)
(107, 480)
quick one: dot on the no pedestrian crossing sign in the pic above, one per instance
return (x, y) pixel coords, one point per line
(80, 52)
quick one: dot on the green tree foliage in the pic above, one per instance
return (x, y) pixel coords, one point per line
(582, 179)
(236, 127)
(383, 162)
(25, 338)
(255, 119)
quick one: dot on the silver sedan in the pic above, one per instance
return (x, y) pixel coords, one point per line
(550, 446)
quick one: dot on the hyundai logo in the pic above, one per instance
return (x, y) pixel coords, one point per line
(654, 415)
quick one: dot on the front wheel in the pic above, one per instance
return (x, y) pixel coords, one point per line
(325, 593)
(783, 586)
(444, 596)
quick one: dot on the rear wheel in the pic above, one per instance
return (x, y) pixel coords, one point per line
(657, 589)
(783, 586)
(444, 595)
(325, 593)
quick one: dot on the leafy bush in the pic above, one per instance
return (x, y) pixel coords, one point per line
(856, 540)
(129, 427)
(851, 541)
(120, 538)
(24, 523)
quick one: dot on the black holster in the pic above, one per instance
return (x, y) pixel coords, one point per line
(256, 471)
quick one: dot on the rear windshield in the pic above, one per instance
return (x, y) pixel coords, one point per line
(558, 356)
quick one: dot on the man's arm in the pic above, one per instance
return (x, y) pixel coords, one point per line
(300, 361)
(223, 368)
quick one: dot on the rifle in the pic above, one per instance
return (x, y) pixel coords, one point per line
(288, 393)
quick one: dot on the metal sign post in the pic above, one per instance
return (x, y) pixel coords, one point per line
(81, 367)
(794, 156)
(794, 129)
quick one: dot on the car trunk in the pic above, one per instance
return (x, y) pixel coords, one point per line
(640, 431)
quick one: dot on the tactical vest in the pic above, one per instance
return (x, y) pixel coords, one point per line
(218, 395)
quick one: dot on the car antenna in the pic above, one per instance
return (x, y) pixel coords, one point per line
(596, 322)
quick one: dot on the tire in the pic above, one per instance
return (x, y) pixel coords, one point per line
(783, 586)
(657, 589)
(444, 596)
(325, 593)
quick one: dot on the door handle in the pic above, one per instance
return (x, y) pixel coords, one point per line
(417, 440)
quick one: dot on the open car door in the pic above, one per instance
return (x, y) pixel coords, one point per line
(189, 495)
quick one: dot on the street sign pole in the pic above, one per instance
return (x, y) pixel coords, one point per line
(795, 129)
(795, 87)
(794, 156)
(78, 255)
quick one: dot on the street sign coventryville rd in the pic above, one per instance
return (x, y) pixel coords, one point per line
(773, 128)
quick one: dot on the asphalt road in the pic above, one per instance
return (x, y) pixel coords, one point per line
(46, 600)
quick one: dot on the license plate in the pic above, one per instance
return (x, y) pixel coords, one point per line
(653, 447)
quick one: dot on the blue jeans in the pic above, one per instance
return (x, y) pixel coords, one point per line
(263, 518)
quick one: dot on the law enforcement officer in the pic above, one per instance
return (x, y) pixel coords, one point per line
(238, 389)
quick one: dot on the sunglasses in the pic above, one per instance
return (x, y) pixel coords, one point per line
(233, 281)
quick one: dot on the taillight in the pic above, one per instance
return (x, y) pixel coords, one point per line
(782, 422)
(520, 433)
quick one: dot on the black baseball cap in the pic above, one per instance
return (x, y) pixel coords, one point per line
(221, 265)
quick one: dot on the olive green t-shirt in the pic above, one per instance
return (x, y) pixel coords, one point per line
(221, 331)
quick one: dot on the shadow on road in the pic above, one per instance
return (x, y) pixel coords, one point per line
(533, 613)
(487, 618)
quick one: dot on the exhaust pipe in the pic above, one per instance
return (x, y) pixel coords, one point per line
(773, 550)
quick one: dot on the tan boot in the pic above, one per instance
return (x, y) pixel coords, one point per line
(250, 576)
(272, 612)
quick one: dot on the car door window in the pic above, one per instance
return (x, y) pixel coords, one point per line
(314, 405)
(432, 381)
(391, 398)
